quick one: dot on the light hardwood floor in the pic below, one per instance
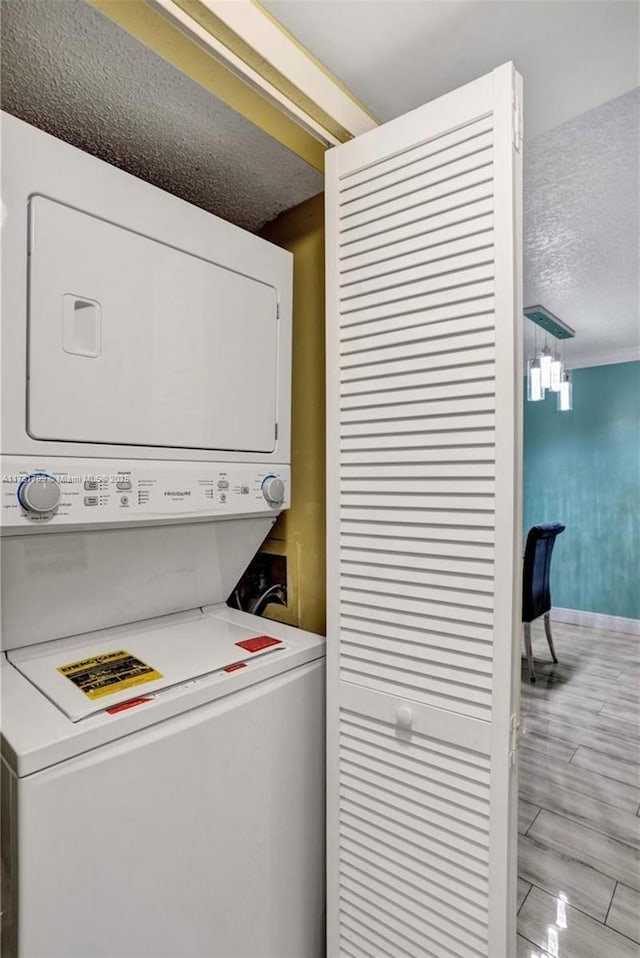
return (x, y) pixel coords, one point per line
(579, 814)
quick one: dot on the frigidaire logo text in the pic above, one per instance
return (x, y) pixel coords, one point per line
(178, 492)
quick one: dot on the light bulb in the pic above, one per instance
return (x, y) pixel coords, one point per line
(545, 369)
(535, 392)
(565, 396)
(556, 376)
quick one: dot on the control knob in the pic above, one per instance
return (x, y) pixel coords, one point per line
(39, 493)
(273, 490)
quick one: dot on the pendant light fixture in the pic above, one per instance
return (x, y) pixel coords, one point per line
(556, 374)
(545, 370)
(535, 389)
(545, 367)
(565, 393)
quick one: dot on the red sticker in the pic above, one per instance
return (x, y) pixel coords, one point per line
(234, 667)
(127, 705)
(259, 643)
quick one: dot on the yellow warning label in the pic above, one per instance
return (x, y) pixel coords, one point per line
(108, 673)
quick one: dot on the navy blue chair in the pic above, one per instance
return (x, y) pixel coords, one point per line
(536, 595)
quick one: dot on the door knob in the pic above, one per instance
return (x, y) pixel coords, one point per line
(404, 716)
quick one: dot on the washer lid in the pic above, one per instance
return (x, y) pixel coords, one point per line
(87, 674)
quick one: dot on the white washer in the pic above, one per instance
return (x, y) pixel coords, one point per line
(188, 823)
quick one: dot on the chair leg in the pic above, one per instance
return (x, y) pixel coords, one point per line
(529, 651)
(547, 629)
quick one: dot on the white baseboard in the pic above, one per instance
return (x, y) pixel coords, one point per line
(596, 620)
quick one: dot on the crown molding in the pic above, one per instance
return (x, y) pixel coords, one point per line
(630, 354)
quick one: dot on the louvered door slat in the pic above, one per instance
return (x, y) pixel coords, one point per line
(442, 196)
(423, 520)
(480, 439)
(465, 356)
(357, 935)
(455, 177)
(409, 388)
(365, 306)
(425, 178)
(397, 941)
(394, 540)
(373, 778)
(451, 242)
(459, 652)
(398, 860)
(423, 321)
(362, 608)
(442, 296)
(441, 842)
(413, 885)
(354, 183)
(426, 927)
(411, 174)
(449, 573)
(436, 234)
(427, 472)
(362, 290)
(426, 340)
(418, 219)
(417, 574)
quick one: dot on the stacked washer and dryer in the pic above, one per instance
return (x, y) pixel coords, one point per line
(162, 753)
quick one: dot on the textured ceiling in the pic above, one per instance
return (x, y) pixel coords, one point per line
(581, 228)
(398, 54)
(72, 72)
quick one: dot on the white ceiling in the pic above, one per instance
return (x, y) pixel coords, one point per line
(396, 55)
(582, 226)
(71, 71)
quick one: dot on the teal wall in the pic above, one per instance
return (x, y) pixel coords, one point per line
(583, 468)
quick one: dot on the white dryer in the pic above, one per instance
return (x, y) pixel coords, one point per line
(162, 754)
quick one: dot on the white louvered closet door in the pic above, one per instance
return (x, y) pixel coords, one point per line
(424, 404)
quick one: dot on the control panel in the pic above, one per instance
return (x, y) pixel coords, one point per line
(71, 493)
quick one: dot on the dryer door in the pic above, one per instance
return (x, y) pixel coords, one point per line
(135, 342)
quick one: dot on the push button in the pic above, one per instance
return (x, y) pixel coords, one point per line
(123, 485)
(223, 484)
(91, 485)
(91, 500)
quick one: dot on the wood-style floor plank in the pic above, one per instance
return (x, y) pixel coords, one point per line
(527, 949)
(591, 686)
(578, 733)
(626, 712)
(536, 697)
(527, 812)
(523, 890)
(562, 930)
(549, 869)
(581, 781)
(583, 844)
(550, 746)
(623, 826)
(624, 914)
(603, 764)
(580, 766)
